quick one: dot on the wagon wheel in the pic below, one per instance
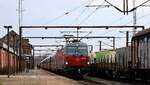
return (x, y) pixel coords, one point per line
(144, 75)
(131, 74)
(116, 74)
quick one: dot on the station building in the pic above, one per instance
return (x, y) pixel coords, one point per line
(16, 62)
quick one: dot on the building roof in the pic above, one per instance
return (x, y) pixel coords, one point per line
(14, 42)
(13, 34)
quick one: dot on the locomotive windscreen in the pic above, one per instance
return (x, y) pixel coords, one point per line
(77, 48)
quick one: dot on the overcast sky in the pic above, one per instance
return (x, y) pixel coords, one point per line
(70, 12)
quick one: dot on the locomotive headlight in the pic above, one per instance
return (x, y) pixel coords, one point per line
(88, 63)
(66, 63)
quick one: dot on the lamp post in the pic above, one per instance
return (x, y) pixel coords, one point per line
(8, 69)
(15, 52)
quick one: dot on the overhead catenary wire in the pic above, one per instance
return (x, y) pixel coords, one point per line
(130, 13)
(89, 15)
(144, 16)
(82, 12)
(85, 9)
(113, 6)
(139, 18)
(111, 30)
(127, 6)
(66, 13)
(147, 24)
(139, 6)
(122, 16)
(117, 39)
(118, 19)
(115, 21)
(85, 35)
(107, 44)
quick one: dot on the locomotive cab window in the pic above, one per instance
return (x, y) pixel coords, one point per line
(76, 50)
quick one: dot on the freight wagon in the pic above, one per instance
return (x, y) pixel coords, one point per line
(130, 62)
(140, 54)
(104, 63)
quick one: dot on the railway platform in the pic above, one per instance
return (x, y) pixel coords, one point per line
(42, 77)
(37, 77)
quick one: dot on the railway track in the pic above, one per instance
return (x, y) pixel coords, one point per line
(105, 81)
(86, 82)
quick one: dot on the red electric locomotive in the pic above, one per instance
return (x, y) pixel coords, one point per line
(73, 58)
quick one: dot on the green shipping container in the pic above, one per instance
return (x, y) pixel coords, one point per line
(102, 56)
